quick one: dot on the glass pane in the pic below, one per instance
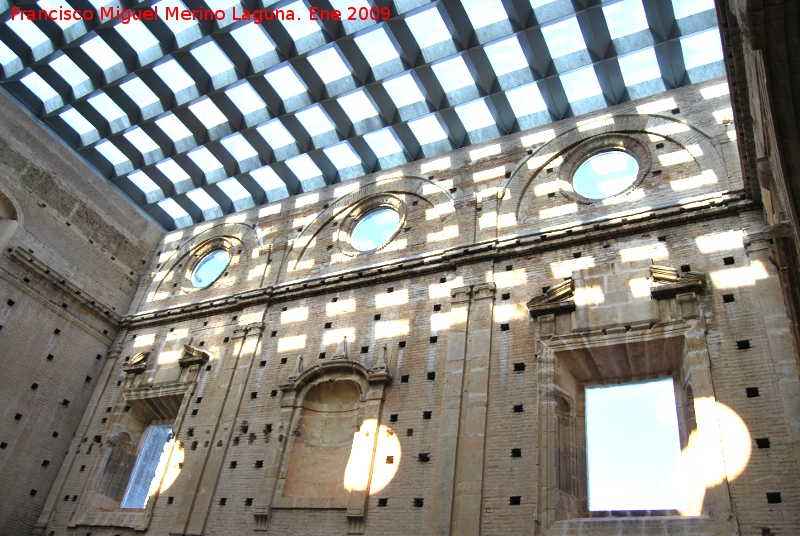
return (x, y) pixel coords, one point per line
(605, 174)
(427, 129)
(144, 472)
(506, 56)
(701, 48)
(564, 37)
(383, 143)
(526, 100)
(375, 229)
(376, 47)
(285, 82)
(357, 106)
(484, 12)
(453, 74)
(428, 28)
(639, 67)
(329, 65)
(685, 8)
(210, 268)
(581, 84)
(403, 90)
(632, 445)
(475, 115)
(625, 18)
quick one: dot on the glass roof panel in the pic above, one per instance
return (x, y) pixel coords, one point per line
(245, 98)
(106, 107)
(357, 106)
(76, 121)
(100, 53)
(428, 28)
(175, 24)
(275, 134)
(173, 127)
(526, 100)
(203, 158)
(475, 115)
(200, 197)
(285, 82)
(67, 70)
(701, 48)
(39, 87)
(581, 84)
(62, 22)
(315, 121)
(383, 142)
(453, 74)
(211, 57)
(303, 26)
(540, 3)
(137, 35)
(207, 112)
(403, 90)
(303, 167)
(238, 147)
(329, 65)
(267, 178)
(173, 209)
(342, 155)
(625, 18)
(28, 32)
(174, 76)
(376, 47)
(427, 129)
(222, 4)
(686, 8)
(484, 12)
(506, 56)
(563, 37)
(6, 54)
(111, 153)
(639, 67)
(143, 182)
(172, 171)
(233, 189)
(141, 141)
(253, 40)
(139, 92)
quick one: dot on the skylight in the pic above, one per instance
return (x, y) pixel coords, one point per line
(36, 40)
(303, 26)
(72, 74)
(176, 25)
(427, 129)
(329, 65)
(639, 67)
(526, 100)
(484, 12)
(342, 156)
(208, 113)
(138, 36)
(111, 153)
(403, 90)
(139, 139)
(563, 37)
(475, 115)
(453, 74)
(139, 92)
(303, 167)
(200, 197)
(253, 40)
(285, 82)
(47, 5)
(506, 56)
(173, 127)
(383, 143)
(212, 59)
(701, 48)
(267, 178)
(172, 171)
(238, 147)
(315, 121)
(175, 211)
(42, 90)
(376, 47)
(108, 109)
(275, 134)
(100, 53)
(234, 190)
(686, 8)
(625, 18)
(146, 185)
(207, 163)
(80, 125)
(357, 106)
(245, 98)
(428, 28)
(581, 84)
(174, 76)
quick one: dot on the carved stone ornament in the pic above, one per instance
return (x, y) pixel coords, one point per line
(668, 282)
(557, 299)
(381, 366)
(137, 364)
(298, 368)
(193, 356)
(341, 349)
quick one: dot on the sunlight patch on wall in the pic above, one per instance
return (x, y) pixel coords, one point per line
(305, 200)
(173, 237)
(391, 328)
(296, 342)
(562, 269)
(739, 277)
(439, 210)
(490, 150)
(536, 162)
(563, 210)
(667, 129)
(340, 307)
(144, 340)
(295, 314)
(538, 138)
(335, 336)
(391, 299)
(634, 195)
(720, 241)
(489, 174)
(639, 253)
(658, 106)
(450, 231)
(706, 178)
(429, 189)
(270, 210)
(357, 471)
(640, 287)
(442, 290)
(435, 165)
(514, 278)
(589, 295)
(596, 122)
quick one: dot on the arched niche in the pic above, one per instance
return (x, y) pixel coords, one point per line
(9, 220)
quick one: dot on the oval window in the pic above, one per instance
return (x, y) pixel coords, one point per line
(605, 174)
(210, 268)
(375, 229)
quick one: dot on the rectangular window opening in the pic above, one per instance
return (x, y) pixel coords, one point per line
(152, 455)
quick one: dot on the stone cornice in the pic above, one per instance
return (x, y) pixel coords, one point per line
(525, 244)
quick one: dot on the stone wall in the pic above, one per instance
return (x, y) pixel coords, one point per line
(502, 291)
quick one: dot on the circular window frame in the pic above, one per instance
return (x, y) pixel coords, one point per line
(358, 212)
(197, 255)
(594, 146)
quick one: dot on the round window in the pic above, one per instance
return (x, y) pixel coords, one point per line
(605, 174)
(210, 268)
(375, 229)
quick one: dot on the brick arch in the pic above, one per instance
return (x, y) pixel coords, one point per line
(10, 219)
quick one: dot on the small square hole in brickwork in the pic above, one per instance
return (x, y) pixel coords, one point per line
(662, 238)
(98, 357)
(329, 248)
(334, 300)
(194, 412)
(516, 453)
(766, 531)
(774, 498)
(742, 345)
(519, 367)
(208, 367)
(87, 379)
(18, 416)
(45, 463)
(384, 502)
(389, 290)
(328, 325)
(551, 195)
(273, 334)
(364, 349)
(120, 381)
(434, 338)
(577, 255)
(11, 303)
(321, 355)
(233, 464)
(424, 457)
(390, 459)
(686, 268)
(262, 364)
(3, 445)
(34, 386)
(56, 331)
(509, 267)
(284, 309)
(752, 392)
(409, 432)
(515, 500)
(126, 409)
(50, 357)
(393, 417)
(545, 289)
(201, 343)
(401, 344)
(198, 399)
(194, 445)
(34, 492)
(170, 500)
(226, 339)
(442, 280)
(504, 327)
(419, 502)
(82, 468)
(659, 145)
(505, 296)
(254, 394)
(728, 298)
(55, 434)
(235, 318)
(223, 501)
(426, 415)
(404, 378)
(74, 498)
(104, 420)
(268, 429)
(437, 307)
(273, 393)
(248, 502)
(283, 360)
(205, 324)
(190, 432)
(431, 376)
(518, 408)
(259, 464)
(97, 439)
(377, 317)
(762, 442)
(676, 111)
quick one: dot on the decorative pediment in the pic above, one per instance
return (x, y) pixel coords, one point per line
(193, 356)
(556, 299)
(137, 364)
(668, 282)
